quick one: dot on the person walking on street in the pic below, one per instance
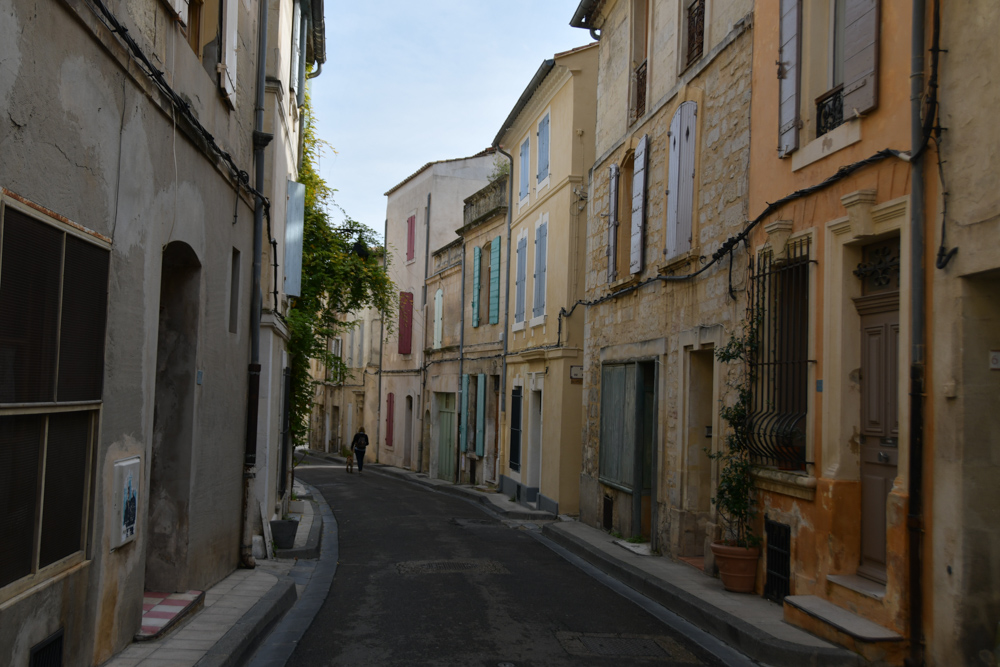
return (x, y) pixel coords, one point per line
(359, 445)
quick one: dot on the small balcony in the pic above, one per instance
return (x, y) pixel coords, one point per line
(830, 110)
(486, 202)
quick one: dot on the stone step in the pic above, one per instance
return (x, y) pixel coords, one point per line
(821, 617)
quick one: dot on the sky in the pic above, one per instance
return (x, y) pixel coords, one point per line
(406, 83)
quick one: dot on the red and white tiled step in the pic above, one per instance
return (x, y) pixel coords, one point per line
(160, 611)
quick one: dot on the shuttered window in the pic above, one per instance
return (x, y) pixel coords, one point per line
(638, 234)
(519, 280)
(230, 42)
(680, 180)
(411, 236)
(495, 281)
(463, 427)
(861, 56)
(405, 322)
(612, 249)
(361, 344)
(789, 58)
(53, 315)
(541, 259)
(515, 429)
(477, 260)
(481, 415)
(543, 149)
(524, 169)
(438, 318)
(390, 411)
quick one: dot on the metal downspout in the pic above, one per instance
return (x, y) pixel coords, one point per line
(381, 346)
(461, 382)
(918, 316)
(506, 291)
(260, 141)
(423, 304)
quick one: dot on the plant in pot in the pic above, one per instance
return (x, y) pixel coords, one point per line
(737, 552)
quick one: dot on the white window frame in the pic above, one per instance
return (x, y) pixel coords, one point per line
(544, 183)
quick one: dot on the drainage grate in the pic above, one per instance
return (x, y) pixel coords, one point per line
(478, 566)
(779, 560)
(48, 652)
(608, 645)
(633, 647)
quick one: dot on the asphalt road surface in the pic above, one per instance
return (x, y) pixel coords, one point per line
(426, 578)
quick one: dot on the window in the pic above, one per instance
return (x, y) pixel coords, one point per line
(524, 169)
(628, 418)
(234, 292)
(543, 149)
(779, 368)
(495, 281)
(680, 179)
(211, 28)
(541, 254)
(438, 318)
(638, 207)
(520, 278)
(405, 322)
(477, 260)
(53, 313)
(694, 31)
(361, 344)
(411, 237)
(515, 428)
(297, 65)
(640, 23)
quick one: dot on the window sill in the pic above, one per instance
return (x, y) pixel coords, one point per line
(836, 139)
(517, 326)
(679, 261)
(544, 183)
(537, 321)
(797, 485)
(523, 203)
(622, 283)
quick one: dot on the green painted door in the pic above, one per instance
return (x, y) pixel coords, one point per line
(446, 452)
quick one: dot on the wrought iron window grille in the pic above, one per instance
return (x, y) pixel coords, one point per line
(695, 32)
(639, 75)
(830, 110)
(881, 269)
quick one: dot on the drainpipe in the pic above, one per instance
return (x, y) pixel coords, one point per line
(506, 291)
(381, 345)
(461, 370)
(260, 141)
(423, 302)
(914, 520)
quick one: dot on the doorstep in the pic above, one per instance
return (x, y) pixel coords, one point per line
(878, 645)
(162, 611)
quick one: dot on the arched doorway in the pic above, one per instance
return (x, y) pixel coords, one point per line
(173, 420)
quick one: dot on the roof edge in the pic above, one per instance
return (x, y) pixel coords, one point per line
(583, 16)
(536, 81)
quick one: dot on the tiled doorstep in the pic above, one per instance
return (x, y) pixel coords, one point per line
(225, 605)
(160, 611)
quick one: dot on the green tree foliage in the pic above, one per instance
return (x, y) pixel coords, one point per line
(342, 272)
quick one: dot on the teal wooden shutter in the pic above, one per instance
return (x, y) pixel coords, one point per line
(481, 415)
(477, 255)
(495, 281)
(464, 427)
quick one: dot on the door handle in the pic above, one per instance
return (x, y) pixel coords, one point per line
(883, 457)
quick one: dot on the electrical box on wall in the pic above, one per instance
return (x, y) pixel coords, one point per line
(126, 501)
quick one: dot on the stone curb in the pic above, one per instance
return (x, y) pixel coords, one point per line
(317, 576)
(240, 641)
(736, 632)
(311, 549)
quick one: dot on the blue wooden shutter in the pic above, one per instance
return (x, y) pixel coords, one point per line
(612, 250)
(477, 255)
(638, 206)
(543, 149)
(525, 147)
(522, 251)
(541, 241)
(495, 281)
(481, 415)
(788, 77)
(463, 429)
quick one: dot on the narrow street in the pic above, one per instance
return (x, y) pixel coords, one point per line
(429, 579)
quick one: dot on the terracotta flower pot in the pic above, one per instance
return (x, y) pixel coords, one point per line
(737, 566)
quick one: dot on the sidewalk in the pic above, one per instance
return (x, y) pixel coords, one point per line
(748, 623)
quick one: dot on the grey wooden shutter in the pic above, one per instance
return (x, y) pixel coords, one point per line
(860, 57)
(522, 247)
(788, 75)
(541, 244)
(673, 183)
(524, 170)
(230, 39)
(638, 206)
(685, 196)
(613, 223)
(438, 318)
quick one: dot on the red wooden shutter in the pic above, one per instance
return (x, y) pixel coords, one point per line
(405, 321)
(390, 405)
(411, 234)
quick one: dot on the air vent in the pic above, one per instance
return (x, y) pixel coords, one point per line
(779, 559)
(48, 653)
(609, 513)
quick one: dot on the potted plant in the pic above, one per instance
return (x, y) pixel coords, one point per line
(737, 552)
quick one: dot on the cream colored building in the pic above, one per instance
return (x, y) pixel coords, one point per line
(550, 134)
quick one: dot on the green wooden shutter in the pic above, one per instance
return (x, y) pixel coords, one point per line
(464, 426)
(477, 255)
(481, 415)
(495, 281)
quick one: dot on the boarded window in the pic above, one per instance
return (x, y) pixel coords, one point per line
(405, 322)
(411, 236)
(627, 425)
(789, 58)
(541, 255)
(680, 179)
(543, 149)
(495, 281)
(524, 169)
(390, 410)
(638, 217)
(521, 277)
(515, 428)
(477, 260)
(612, 249)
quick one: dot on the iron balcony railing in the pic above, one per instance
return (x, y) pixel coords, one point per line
(830, 111)
(640, 92)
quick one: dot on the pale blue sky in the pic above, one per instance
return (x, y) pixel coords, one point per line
(409, 82)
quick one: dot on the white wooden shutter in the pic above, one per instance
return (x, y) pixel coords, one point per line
(788, 75)
(230, 37)
(180, 8)
(293, 74)
(638, 206)
(861, 19)
(541, 243)
(438, 324)
(612, 223)
(673, 182)
(685, 195)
